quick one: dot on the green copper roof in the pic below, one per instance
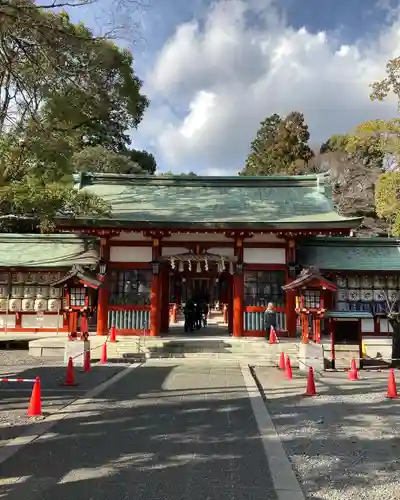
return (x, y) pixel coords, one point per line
(355, 254)
(47, 250)
(255, 202)
(348, 314)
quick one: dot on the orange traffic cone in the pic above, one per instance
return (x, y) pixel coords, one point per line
(70, 376)
(310, 389)
(282, 361)
(392, 389)
(353, 372)
(86, 362)
(35, 403)
(113, 334)
(103, 358)
(272, 336)
(289, 373)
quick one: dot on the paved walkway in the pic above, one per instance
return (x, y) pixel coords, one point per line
(164, 431)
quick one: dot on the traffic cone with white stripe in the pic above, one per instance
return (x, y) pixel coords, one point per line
(35, 403)
(113, 334)
(70, 375)
(310, 389)
(272, 336)
(289, 373)
(353, 372)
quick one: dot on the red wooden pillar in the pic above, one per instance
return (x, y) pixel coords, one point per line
(164, 299)
(290, 308)
(155, 298)
(304, 328)
(290, 311)
(238, 293)
(102, 299)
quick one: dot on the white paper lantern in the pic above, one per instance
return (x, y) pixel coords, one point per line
(53, 305)
(40, 305)
(42, 292)
(27, 304)
(15, 305)
(55, 293)
(17, 292)
(29, 292)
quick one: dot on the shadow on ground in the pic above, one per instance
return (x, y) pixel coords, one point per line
(161, 432)
(345, 440)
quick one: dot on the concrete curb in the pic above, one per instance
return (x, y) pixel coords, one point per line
(285, 482)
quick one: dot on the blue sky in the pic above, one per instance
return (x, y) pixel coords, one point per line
(213, 70)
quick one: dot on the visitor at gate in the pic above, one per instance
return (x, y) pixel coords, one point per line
(199, 315)
(206, 310)
(190, 312)
(269, 319)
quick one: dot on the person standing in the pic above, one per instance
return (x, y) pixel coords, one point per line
(206, 310)
(269, 319)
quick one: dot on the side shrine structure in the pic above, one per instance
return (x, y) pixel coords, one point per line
(241, 242)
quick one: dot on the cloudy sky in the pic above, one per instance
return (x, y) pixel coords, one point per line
(214, 69)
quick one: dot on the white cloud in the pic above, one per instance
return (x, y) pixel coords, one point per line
(224, 75)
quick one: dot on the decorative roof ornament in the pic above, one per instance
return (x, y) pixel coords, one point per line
(172, 260)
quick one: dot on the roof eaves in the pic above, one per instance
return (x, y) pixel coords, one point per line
(85, 179)
(349, 223)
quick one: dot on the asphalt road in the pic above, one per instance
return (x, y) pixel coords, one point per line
(164, 431)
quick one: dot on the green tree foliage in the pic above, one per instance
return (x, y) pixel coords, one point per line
(75, 82)
(390, 84)
(66, 97)
(29, 205)
(355, 162)
(387, 200)
(280, 147)
(182, 174)
(145, 160)
(99, 159)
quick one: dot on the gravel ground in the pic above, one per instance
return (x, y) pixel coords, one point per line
(344, 443)
(14, 398)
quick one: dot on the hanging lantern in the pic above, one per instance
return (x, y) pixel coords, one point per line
(231, 268)
(198, 268)
(181, 267)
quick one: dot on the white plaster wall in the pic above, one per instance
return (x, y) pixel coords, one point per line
(226, 251)
(129, 236)
(378, 346)
(266, 238)
(385, 326)
(264, 255)
(7, 320)
(173, 250)
(200, 237)
(49, 321)
(367, 325)
(130, 254)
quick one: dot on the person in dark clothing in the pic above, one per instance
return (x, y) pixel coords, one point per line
(205, 313)
(189, 311)
(198, 317)
(269, 319)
